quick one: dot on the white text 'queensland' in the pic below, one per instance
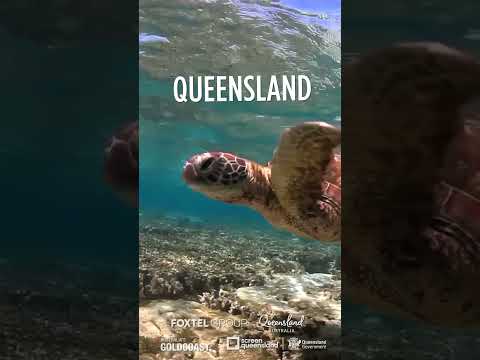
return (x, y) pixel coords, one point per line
(241, 88)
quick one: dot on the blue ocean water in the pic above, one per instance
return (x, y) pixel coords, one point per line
(58, 207)
(229, 34)
(167, 143)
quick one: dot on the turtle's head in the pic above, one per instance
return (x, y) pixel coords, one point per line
(218, 175)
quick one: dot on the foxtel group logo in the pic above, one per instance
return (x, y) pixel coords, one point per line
(208, 323)
(189, 323)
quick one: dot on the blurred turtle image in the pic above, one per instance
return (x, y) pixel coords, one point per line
(411, 223)
(121, 163)
(299, 190)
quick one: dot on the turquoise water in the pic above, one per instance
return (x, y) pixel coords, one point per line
(231, 38)
(55, 201)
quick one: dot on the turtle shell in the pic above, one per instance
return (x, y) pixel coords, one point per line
(404, 110)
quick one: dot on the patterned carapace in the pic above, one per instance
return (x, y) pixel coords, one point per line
(121, 159)
(218, 168)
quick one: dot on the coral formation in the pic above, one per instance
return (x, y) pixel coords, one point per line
(293, 276)
(178, 260)
(188, 270)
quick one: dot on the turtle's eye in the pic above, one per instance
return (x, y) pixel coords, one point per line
(206, 163)
(212, 178)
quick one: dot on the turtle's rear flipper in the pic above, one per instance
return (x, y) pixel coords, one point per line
(455, 228)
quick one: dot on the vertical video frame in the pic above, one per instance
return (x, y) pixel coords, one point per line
(240, 184)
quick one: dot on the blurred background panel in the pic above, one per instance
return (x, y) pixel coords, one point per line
(68, 248)
(367, 26)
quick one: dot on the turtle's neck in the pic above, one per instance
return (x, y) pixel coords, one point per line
(258, 193)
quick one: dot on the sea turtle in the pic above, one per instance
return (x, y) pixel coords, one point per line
(411, 184)
(121, 162)
(299, 190)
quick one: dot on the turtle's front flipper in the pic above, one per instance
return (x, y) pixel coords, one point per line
(306, 178)
(121, 163)
(455, 228)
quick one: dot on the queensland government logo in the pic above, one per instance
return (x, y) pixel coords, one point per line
(294, 343)
(303, 344)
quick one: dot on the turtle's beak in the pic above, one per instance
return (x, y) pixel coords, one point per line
(197, 167)
(189, 172)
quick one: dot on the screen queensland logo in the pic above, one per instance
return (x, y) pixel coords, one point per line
(241, 88)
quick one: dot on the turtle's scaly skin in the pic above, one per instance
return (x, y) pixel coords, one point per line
(299, 190)
(121, 162)
(411, 225)
(248, 184)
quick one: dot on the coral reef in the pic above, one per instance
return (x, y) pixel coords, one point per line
(155, 326)
(178, 260)
(314, 296)
(188, 270)
(283, 275)
(155, 330)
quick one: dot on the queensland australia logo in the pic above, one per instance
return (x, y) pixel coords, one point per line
(288, 325)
